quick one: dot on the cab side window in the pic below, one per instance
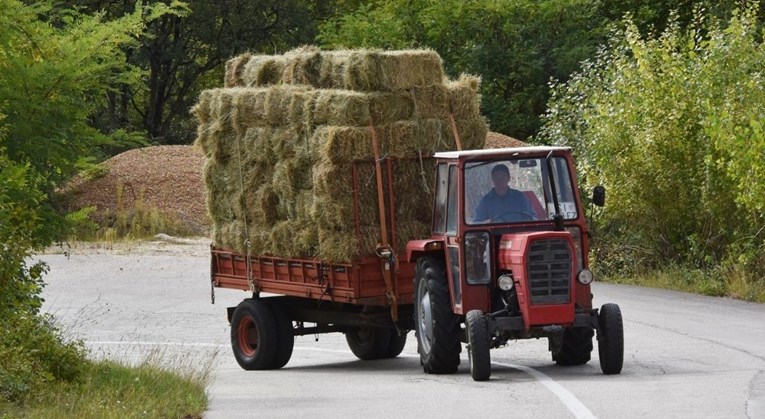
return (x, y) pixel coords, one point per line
(451, 211)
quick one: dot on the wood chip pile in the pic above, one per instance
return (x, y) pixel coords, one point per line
(286, 133)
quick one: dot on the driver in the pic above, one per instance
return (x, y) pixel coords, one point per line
(502, 203)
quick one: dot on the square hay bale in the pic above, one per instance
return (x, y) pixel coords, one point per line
(342, 144)
(263, 70)
(337, 245)
(234, 70)
(288, 142)
(219, 194)
(350, 108)
(464, 99)
(429, 101)
(472, 132)
(303, 66)
(257, 147)
(414, 187)
(294, 239)
(367, 70)
(230, 235)
(251, 110)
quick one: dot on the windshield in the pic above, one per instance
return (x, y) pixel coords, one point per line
(518, 190)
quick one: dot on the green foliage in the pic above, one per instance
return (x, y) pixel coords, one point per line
(107, 389)
(672, 126)
(516, 46)
(32, 353)
(54, 67)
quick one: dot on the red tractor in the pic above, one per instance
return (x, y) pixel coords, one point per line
(507, 258)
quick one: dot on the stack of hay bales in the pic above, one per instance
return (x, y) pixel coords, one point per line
(286, 134)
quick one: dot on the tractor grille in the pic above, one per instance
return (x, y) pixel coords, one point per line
(549, 271)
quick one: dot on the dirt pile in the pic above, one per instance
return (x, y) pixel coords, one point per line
(167, 178)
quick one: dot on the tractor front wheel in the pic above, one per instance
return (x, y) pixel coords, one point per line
(478, 345)
(611, 339)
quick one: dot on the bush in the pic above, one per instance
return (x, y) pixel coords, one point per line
(673, 127)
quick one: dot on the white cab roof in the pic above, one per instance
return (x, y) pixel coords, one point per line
(497, 151)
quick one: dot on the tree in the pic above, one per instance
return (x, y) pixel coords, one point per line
(183, 53)
(673, 127)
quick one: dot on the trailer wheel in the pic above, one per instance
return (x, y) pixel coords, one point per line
(396, 345)
(437, 328)
(253, 335)
(478, 345)
(368, 343)
(576, 347)
(611, 339)
(285, 335)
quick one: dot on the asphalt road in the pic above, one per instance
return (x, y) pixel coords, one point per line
(686, 356)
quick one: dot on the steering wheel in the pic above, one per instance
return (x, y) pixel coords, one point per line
(525, 216)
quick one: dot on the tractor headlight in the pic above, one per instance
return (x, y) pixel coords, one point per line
(505, 282)
(584, 277)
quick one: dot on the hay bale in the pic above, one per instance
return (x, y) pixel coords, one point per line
(294, 239)
(463, 96)
(234, 70)
(472, 132)
(349, 108)
(339, 144)
(391, 70)
(218, 183)
(303, 66)
(251, 109)
(430, 101)
(263, 70)
(336, 246)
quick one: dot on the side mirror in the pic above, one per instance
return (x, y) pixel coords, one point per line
(599, 196)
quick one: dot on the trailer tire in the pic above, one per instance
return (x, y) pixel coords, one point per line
(396, 345)
(576, 348)
(437, 328)
(478, 345)
(368, 343)
(611, 339)
(285, 335)
(253, 335)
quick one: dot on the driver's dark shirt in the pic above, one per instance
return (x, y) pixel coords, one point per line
(508, 207)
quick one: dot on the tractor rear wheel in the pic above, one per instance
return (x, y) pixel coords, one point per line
(478, 345)
(611, 339)
(576, 346)
(437, 328)
(285, 335)
(254, 335)
(368, 343)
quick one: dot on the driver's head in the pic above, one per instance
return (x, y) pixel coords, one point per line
(500, 176)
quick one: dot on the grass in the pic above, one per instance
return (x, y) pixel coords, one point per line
(108, 389)
(720, 282)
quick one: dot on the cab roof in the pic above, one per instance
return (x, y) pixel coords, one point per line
(498, 151)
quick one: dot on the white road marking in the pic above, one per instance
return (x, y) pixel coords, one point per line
(574, 405)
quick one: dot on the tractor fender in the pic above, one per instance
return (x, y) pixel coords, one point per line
(418, 248)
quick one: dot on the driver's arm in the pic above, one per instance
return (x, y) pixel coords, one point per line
(481, 212)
